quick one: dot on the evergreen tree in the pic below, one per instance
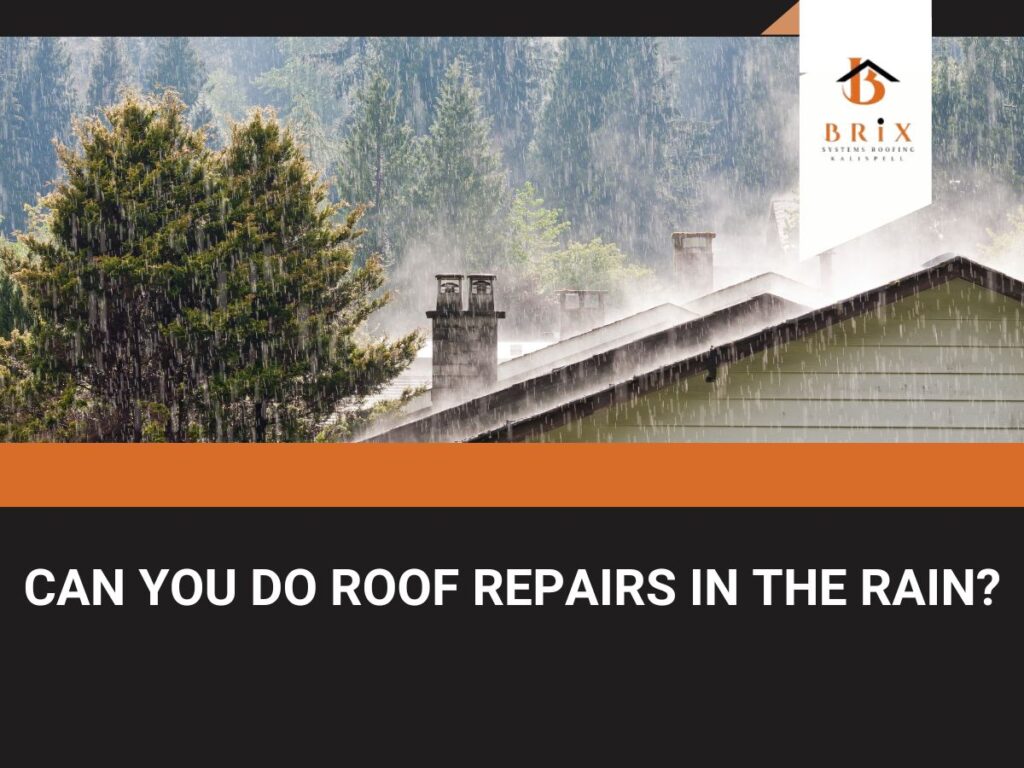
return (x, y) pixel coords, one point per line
(319, 84)
(202, 295)
(11, 50)
(534, 232)
(52, 103)
(133, 209)
(175, 64)
(275, 308)
(978, 122)
(305, 90)
(946, 128)
(463, 189)
(989, 114)
(34, 408)
(136, 59)
(612, 150)
(509, 71)
(203, 119)
(18, 415)
(37, 112)
(109, 74)
(13, 312)
(247, 59)
(378, 158)
(14, 155)
(11, 309)
(745, 90)
(539, 262)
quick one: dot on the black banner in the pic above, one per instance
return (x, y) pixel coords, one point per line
(736, 18)
(599, 680)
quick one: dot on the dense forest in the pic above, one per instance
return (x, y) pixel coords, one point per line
(552, 162)
(623, 139)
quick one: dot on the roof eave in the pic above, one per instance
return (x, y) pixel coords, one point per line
(951, 268)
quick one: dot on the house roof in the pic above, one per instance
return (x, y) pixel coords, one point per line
(525, 359)
(519, 400)
(525, 408)
(582, 345)
(767, 282)
(942, 270)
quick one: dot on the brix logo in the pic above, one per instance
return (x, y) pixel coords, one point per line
(855, 88)
(866, 72)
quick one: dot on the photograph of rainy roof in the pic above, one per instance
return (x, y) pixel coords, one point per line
(487, 239)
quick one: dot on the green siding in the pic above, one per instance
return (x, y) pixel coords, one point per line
(945, 365)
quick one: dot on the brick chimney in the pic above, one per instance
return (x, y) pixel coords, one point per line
(465, 340)
(694, 262)
(580, 311)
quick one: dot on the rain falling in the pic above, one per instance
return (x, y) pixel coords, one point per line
(299, 239)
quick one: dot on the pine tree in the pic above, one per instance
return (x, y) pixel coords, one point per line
(37, 112)
(52, 103)
(202, 295)
(175, 64)
(509, 71)
(991, 107)
(203, 119)
(14, 154)
(133, 209)
(946, 127)
(11, 51)
(305, 90)
(136, 59)
(378, 158)
(109, 74)
(541, 259)
(745, 90)
(34, 408)
(464, 189)
(12, 310)
(612, 150)
(276, 306)
(978, 122)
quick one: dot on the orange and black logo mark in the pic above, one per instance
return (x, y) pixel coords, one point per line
(864, 73)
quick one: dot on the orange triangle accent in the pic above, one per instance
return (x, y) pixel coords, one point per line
(787, 24)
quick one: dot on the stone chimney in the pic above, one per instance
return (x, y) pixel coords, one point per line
(465, 340)
(580, 311)
(694, 262)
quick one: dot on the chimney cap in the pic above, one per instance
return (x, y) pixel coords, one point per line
(482, 274)
(449, 276)
(684, 235)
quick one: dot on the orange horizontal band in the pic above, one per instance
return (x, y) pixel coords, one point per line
(510, 475)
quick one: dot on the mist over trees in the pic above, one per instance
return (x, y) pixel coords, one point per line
(629, 137)
(612, 149)
(619, 134)
(108, 75)
(552, 162)
(978, 140)
(742, 90)
(38, 102)
(377, 164)
(175, 65)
